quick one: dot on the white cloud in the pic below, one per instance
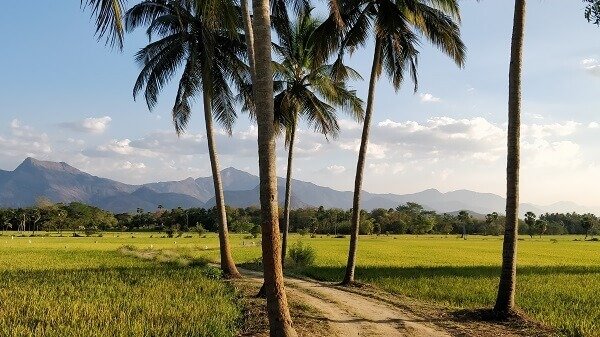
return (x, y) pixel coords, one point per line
(429, 98)
(24, 141)
(591, 65)
(347, 124)
(336, 169)
(593, 125)
(555, 129)
(94, 125)
(374, 150)
(127, 165)
(546, 154)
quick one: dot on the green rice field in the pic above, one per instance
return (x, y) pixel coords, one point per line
(57, 286)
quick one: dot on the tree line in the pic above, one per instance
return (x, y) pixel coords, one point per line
(410, 218)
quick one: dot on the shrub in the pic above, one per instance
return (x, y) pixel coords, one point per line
(301, 255)
(303, 231)
(255, 231)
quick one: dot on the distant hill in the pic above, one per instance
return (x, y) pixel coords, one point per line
(61, 182)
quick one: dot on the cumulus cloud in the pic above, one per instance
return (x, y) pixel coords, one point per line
(347, 124)
(429, 98)
(555, 129)
(593, 125)
(442, 134)
(591, 65)
(94, 125)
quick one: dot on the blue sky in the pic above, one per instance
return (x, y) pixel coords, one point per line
(66, 97)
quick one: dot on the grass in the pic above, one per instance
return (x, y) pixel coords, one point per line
(84, 287)
(558, 278)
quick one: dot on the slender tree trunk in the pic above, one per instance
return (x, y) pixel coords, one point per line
(280, 321)
(505, 302)
(248, 32)
(360, 166)
(288, 193)
(227, 265)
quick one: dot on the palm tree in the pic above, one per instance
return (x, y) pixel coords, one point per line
(491, 219)
(108, 15)
(280, 321)
(202, 37)
(464, 218)
(396, 27)
(308, 90)
(530, 221)
(505, 301)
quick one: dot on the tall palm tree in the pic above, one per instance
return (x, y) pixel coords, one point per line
(396, 27)
(505, 301)
(202, 37)
(280, 321)
(308, 90)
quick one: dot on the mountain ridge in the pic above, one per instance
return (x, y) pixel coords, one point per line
(61, 182)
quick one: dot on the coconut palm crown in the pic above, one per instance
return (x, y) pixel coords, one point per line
(397, 27)
(306, 88)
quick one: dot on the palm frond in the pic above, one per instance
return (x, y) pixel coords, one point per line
(109, 19)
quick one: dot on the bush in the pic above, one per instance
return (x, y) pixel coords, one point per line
(303, 231)
(255, 231)
(301, 255)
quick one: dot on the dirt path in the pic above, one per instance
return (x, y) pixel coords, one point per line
(351, 314)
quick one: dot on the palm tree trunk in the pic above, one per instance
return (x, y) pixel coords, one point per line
(249, 38)
(288, 193)
(280, 321)
(505, 302)
(360, 166)
(227, 265)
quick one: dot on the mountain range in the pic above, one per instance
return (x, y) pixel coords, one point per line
(61, 182)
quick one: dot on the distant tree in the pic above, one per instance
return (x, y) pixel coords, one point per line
(35, 215)
(530, 219)
(199, 229)
(491, 221)
(7, 216)
(541, 226)
(255, 231)
(464, 218)
(588, 222)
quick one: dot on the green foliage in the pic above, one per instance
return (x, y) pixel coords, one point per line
(301, 255)
(592, 11)
(199, 229)
(255, 231)
(242, 225)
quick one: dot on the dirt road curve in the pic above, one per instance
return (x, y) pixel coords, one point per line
(351, 314)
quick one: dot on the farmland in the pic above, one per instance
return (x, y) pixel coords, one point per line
(82, 284)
